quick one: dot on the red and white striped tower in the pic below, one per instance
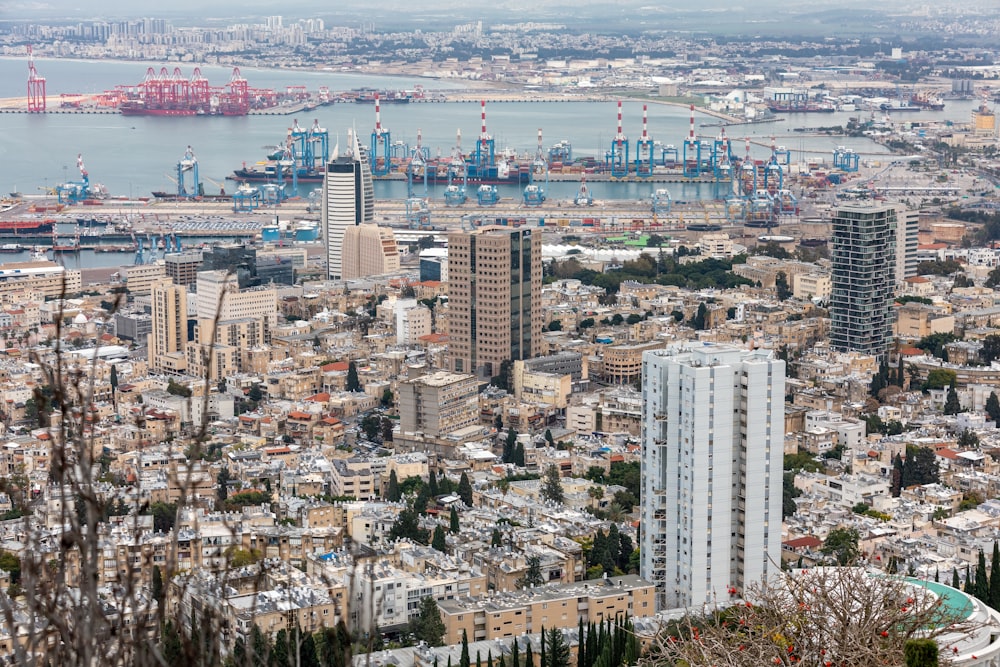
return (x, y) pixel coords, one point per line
(378, 116)
(540, 155)
(620, 137)
(645, 135)
(691, 133)
(483, 136)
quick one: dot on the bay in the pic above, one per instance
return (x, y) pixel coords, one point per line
(134, 156)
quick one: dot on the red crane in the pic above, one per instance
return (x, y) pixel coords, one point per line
(36, 87)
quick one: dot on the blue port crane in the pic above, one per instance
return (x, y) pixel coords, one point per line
(644, 154)
(456, 194)
(534, 193)
(692, 148)
(188, 165)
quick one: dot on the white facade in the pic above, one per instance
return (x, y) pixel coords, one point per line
(712, 438)
(348, 200)
(907, 230)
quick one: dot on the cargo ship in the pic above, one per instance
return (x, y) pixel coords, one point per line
(140, 108)
(26, 227)
(500, 174)
(384, 97)
(809, 107)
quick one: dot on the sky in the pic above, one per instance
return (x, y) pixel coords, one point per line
(107, 8)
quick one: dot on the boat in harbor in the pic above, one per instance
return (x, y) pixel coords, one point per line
(11, 247)
(26, 227)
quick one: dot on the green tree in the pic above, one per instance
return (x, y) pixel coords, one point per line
(496, 539)
(982, 585)
(438, 542)
(387, 398)
(939, 378)
(519, 455)
(993, 408)
(392, 492)
(549, 439)
(952, 406)
(463, 660)
(255, 394)
(993, 599)
(920, 466)
(552, 485)
(533, 573)
(842, 545)
(699, 320)
(921, 653)
(222, 486)
(508, 446)
(555, 325)
(427, 625)
(353, 384)
(465, 490)
(453, 526)
(556, 650)
(896, 476)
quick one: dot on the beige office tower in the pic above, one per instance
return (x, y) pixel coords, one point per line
(369, 250)
(166, 344)
(494, 298)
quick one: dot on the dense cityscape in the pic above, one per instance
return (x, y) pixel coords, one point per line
(747, 418)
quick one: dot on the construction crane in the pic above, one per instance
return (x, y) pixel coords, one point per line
(222, 188)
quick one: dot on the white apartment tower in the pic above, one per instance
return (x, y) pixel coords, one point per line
(712, 447)
(348, 200)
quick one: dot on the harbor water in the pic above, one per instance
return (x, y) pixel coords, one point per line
(134, 156)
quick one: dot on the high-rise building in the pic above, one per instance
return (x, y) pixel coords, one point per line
(712, 447)
(907, 241)
(438, 404)
(863, 277)
(494, 298)
(348, 201)
(368, 250)
(183, 267)
(167, 341)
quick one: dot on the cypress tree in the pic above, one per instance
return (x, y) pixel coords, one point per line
(992, 408)
(453, 520)
(465, 490)
(392, 491)
(529, 659)
(969, 587)
(541, 653)
(438, 541)
(581, 650)
(955, 583)
(982, 578)
(479, 659)
(432, 484)
(489, 658)
(463, 660)
(515, 658)
(502, 663)
(994, 587)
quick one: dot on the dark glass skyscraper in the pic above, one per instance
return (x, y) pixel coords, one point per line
(864, 278)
